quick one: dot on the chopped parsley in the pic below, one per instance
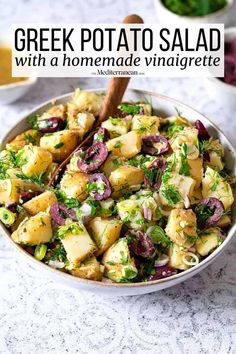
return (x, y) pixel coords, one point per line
(185, 168)
(30, 138)
(115, 121)
(124, 258)
(58, 254)
(38, 179)
(59, 145)
(130, 109)
(173, 197)
(203, 213)
(118, 145)
(63, 199)
(73, 228)
(33, 121)
(116, 163)
(158, 236)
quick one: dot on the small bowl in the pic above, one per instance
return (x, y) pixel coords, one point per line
(225, 15)
(13, 91)
(218, 89)
(163, 106)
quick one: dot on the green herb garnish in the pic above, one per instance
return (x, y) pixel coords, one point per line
(59, 145)
(172, 196)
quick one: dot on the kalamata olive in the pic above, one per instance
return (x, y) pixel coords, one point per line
(162, 272)
(155, 145)
(140, 244)
(102, 135)
(60, 213)
(206, 156)
(51, 125)
(25, 196)
(99, 187)
(153, 176)
(202, 131)
(93, 157)
(12, 207)
(208, 211)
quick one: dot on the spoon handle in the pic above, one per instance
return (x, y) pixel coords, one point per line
(117, 85)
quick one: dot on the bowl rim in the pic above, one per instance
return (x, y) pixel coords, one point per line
(67, 276)
(28, 81)
(217, 13)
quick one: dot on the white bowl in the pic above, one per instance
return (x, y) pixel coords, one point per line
(219, 90)
(12, 92)
(163, 106)
(225, 15)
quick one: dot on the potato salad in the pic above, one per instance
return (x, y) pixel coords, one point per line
(147, 197)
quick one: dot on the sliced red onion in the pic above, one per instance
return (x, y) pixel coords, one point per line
(141, 244)
(56, 264)
(99, 178)
(147, 213)
(25, 196)
(162, 272)
(102, 135)
(217, 208)
(162, 261)
(94, 157)
(157, 167)
(51, 125)
(86, 211)
(60, 213)
(202, 131)
(149, 145)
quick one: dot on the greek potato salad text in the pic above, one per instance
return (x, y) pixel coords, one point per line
(149, 197)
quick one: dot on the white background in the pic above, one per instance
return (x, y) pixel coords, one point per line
(40, 316)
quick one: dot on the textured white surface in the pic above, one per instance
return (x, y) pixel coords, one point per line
(38, 315)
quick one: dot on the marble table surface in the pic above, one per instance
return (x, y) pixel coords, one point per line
(39, 315)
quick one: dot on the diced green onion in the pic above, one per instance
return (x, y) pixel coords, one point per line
(7, 217)
(40, 252)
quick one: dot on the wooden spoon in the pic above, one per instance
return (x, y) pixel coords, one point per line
(117, 86)
(113, 98)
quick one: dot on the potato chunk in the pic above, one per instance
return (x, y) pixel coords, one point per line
(117, 126)
(176, 254)
(77, 242)
(196, 170)
(187, 167)
(187, 139)
(80, 121)
(10, 189)
(182, 227)
(104, 232)
(60, 144)
(54, 111)
(177, 191)
(90, 268)
(74, 185)
(145, 125)
(127, 145)
(119, 266)
(213, 185)
(111, 164)
(34, 230)
(35, 160)
(208, 241)
(88, 101)
(40, 203)
(28, 137)
(126, 178)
